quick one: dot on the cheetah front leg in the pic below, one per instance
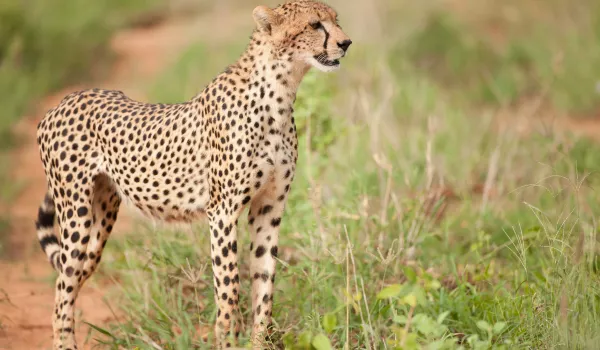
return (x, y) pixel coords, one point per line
(264, 219)
(223, 246)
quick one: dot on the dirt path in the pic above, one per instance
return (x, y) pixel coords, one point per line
(26, 279)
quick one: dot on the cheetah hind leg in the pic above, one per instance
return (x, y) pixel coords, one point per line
(105, 208)
(75, 238)
(87, 240)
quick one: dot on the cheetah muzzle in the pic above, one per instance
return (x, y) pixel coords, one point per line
(232, 146)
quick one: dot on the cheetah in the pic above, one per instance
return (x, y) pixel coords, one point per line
(232, 146)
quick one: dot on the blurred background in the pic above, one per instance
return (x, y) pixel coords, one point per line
(447, 186)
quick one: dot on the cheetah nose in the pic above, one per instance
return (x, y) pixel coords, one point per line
(345, 44)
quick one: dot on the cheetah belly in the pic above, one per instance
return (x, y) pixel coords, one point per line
(168, 198)
(164, 186)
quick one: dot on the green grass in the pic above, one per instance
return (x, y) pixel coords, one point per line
(373, 255)
(557, 62)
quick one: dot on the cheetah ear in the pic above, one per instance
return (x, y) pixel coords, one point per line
(265, 18)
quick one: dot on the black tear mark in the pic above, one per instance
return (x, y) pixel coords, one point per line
(326, 37)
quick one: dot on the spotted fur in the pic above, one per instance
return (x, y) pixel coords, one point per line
(232, 146)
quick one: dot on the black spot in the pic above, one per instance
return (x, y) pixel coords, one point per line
(260, 251)
(274, 251)
(266, 209)
(275, 222)
(82, 211)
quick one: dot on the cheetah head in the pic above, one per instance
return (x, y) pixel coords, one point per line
(306, 29)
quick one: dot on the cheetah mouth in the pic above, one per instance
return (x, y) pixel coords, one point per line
(322, 59)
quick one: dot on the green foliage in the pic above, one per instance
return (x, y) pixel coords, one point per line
(460, 59)
(313, 109)
(560, 65)
(584, 155)
(194, 69)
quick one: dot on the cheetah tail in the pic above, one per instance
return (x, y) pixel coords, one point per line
(45, 230)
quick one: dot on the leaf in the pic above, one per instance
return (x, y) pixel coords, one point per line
(442, 317)
(401, 319)
(410, 342)
(351, 300)
(472, 338)
(289, 340)
(390, 291)
(304, 340)
(484, 326)
(434, 285)
(498, 327)
(321, 342)
(410, 274)
(418, 293)
(410, 299)
(532, 229)
(428, 326)
(329, 322)
(421, 323)
(103, 331)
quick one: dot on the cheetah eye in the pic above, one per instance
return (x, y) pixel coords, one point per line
(316, 25)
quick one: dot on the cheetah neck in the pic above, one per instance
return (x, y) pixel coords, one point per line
(273, 77)
(262, 60)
